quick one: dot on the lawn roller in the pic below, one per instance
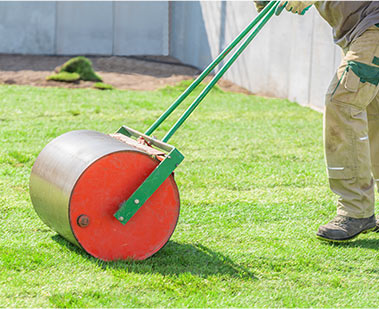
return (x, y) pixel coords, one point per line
(115, 195)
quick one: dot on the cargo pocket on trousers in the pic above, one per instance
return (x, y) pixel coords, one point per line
(353, 90)
(347, 149)
(339, 141)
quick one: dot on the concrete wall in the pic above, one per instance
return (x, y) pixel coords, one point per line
(84, 27)
(27, 27)
(293, 56)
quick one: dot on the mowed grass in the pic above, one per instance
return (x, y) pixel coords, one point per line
(253, 193)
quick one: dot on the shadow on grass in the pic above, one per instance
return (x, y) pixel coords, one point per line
(364, 243)
(173, 259)
(358, 243)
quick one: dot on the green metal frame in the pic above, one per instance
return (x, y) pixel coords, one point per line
(155, 179)
(173, 157)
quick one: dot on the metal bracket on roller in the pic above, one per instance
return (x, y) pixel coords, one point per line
(129, 208)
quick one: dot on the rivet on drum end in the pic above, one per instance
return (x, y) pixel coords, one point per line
(136, 201)
(83, 221)
(121, 218)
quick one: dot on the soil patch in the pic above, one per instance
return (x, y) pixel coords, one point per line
(135, 73)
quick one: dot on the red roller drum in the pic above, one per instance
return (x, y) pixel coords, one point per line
(102, 184)
(100, 191)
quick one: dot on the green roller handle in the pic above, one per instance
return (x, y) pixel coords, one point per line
(272, 8)
(209, 69)
(174, 157)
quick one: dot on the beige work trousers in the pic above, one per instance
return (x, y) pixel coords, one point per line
(351, 131)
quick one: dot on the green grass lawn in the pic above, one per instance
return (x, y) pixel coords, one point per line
(253, 193)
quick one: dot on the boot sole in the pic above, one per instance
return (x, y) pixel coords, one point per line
(346, 239)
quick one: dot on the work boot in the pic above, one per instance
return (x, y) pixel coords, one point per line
(343, 228)
(376, 229)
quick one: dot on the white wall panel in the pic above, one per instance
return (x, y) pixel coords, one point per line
(323, 62)
(141, 27)
(189, 38)
(248, 70)
(301, 58)
(84, 28)
(27, 27)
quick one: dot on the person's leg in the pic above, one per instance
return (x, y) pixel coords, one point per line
(373, 133)
(347, 153)
(346, 136)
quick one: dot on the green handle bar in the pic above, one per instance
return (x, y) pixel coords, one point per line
(210, 67)
(271, 10)
(130, 207)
